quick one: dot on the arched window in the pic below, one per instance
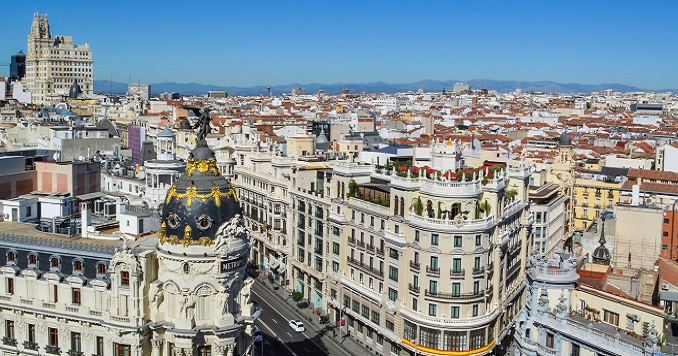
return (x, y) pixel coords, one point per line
(429, 209)
(77, 266)
(397, 202)
(101, 269)
(54, 262)
(402, 206)
(32, 260)
(11, 257)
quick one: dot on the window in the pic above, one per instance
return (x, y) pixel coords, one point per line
(432, 309)
(454, 312)
(365, 311)
(416, 235)
(355, 306)
(477, 338)
(54, 262)
(429, 337)
(434, 263)
(375, 317)
(10, 285)
(335, 266)
(475, 310)
(456, 265)
(100, 346)
(32, 260)
(101, 269)
(457, 241)
(124, 279)
(455, 340)
(205, 351)
(122, 350)
(75, 341)
(77, 266)
(393, 273)
(75, 297)
(393, 253)
(9, 329)
(392, 294)
(478, 240)
(415, 305)
(574, 350)
(549, 340)
(380, 339)
(53, 337)
(31, 333)
(11, 257)
(390, 325)
(610, 317)
(395, 349)
(335, 248)
(456, 289)
(435, 239)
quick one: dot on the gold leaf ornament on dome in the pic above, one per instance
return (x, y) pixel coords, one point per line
(192, 193)
(202, 166)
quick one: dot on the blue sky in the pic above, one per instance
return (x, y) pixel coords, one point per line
(248, 43)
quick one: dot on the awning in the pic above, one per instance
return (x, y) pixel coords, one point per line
(90, 196)
(668, 296)
(273, 263)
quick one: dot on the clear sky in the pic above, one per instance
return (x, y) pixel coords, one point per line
(249, 43)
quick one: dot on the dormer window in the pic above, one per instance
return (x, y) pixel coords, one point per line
(77, 266)
(101, 269)
(11, 257)
(32, 261)
(54, 263)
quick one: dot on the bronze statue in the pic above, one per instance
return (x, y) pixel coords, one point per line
(203, 124)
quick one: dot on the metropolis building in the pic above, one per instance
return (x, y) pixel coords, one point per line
(55, 63)
(185, 292)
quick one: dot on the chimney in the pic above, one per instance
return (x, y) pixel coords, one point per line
(86, 212)
(635, 195)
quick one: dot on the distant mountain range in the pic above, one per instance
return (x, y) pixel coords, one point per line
(502, 86)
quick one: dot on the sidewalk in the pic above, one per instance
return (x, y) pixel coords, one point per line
(348, 344)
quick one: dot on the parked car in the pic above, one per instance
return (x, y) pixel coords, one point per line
(297, 326)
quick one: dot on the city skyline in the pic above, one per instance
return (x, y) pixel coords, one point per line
(249, 44)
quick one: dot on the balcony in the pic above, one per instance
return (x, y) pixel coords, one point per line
(318, 251)
(457, 273)
(380, 252)
(433, 271)
(366, 268)
(454, 226)
(453, 296)
(53, 350)
(361, 244)
(413, 288)
(452, 188)
(75, 353)
(351, 241)
(415, 265)
(9, 341)
(29, 345)
(478, 271)
(370, 248)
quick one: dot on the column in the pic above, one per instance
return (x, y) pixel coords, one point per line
(156, 344)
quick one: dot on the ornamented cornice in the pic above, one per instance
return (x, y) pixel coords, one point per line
(192, 193)
(186, 241)
(202, 166)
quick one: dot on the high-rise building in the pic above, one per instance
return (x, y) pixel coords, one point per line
(142, 91)
(17, 67)
(53, 63)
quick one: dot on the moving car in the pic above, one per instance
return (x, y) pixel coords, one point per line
(297, 326)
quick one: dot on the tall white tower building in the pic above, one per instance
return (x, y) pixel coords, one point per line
(54, 63)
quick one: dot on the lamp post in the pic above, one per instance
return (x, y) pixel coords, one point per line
(415, 346)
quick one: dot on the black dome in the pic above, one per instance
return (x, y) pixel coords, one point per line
(75, 91)
(565, 139)
(199, 202)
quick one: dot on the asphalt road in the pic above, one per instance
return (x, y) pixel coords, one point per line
(273, 322)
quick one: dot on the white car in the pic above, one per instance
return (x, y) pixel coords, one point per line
(297, 326)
